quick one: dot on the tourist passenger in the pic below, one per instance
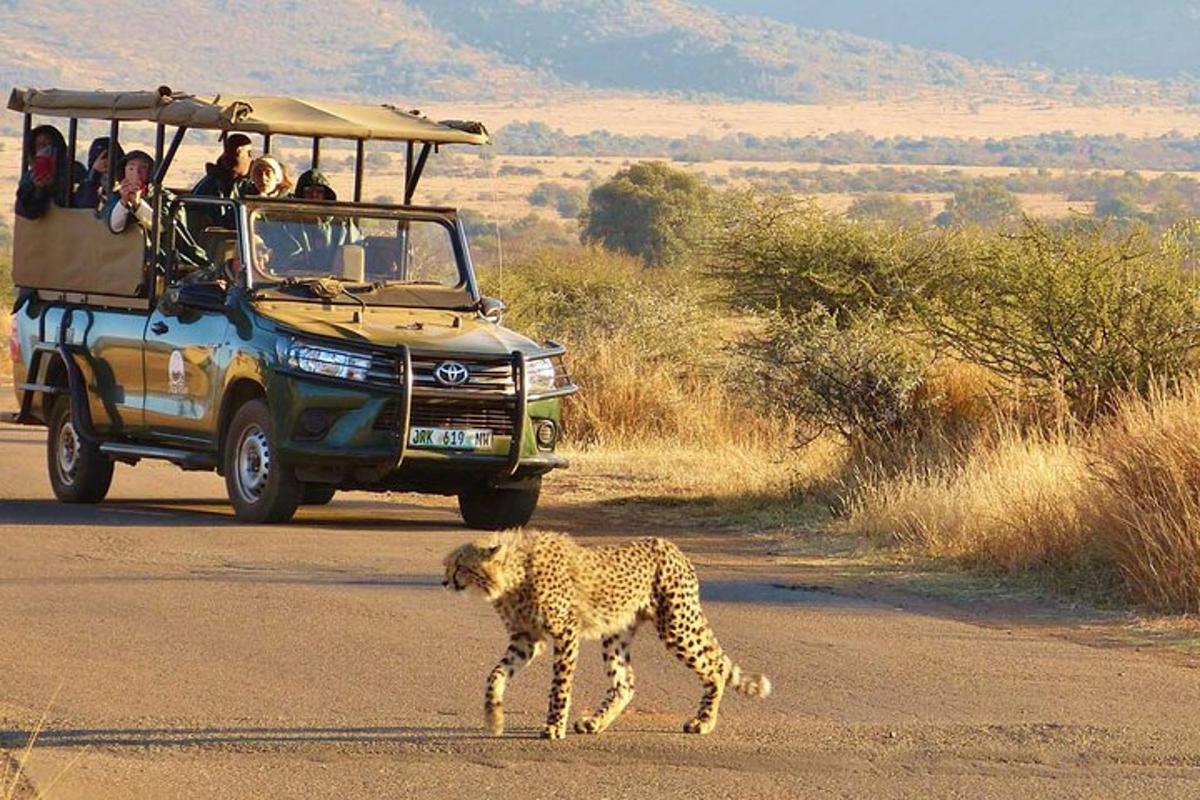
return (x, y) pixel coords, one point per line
(229, 176)
(270, 177)
(51, 176)
(92, 190)
(135, 197)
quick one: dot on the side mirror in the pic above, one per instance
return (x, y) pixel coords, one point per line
(492, 309)
(193, 296)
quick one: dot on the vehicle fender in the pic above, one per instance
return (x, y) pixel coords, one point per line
(245, 379)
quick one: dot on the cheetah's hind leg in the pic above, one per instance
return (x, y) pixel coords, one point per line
(620, 673)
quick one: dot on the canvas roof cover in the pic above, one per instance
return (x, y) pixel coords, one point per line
(288, 116)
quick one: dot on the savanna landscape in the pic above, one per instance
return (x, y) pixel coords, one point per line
(863, 308)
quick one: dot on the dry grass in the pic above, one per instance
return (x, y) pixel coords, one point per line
(1012, 506)
(1120, 500)
(936, 114)
(1148, 503)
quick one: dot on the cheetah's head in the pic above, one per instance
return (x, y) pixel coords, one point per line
(474, 565)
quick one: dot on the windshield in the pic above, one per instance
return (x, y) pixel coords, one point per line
(354, 246)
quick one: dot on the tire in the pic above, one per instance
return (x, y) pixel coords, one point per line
(490, 509)
(260, 488)
(317, 494)
(79, 472)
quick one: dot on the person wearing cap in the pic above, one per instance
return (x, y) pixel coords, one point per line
(134, 200)
(229, 176)
(92, 189)
(229, 179)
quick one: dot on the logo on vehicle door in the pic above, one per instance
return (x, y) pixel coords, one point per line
(176, 377)
(451, 373)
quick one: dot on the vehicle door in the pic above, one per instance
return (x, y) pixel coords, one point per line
(186, 343)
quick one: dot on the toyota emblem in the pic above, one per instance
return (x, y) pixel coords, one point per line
(451, 373)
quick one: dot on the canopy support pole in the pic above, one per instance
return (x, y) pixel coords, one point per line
(72, 144)
(410, 184)
(160, 169)
(26, 145)
(266, 143)
(113, 129)
(359, 151)
(316, 155)
(408, 170)
(160, 138)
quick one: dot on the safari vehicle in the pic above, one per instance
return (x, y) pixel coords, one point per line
(293, 371)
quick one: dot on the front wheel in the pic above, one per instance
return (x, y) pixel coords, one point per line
(260, 488)
(491, 509)
(79, 472)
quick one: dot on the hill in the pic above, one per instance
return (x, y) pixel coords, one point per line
(421, 50)
(1149, 40)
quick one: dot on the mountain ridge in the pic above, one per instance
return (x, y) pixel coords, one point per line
(425, 50)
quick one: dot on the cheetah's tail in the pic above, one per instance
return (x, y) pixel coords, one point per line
(754, 684)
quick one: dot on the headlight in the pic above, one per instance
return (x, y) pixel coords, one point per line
(540, 376)
(327, 362)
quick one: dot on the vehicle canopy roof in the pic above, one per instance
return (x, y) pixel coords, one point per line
(260, 114)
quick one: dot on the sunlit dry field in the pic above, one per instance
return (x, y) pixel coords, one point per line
(932, 116)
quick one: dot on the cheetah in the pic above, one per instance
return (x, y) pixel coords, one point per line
(548, 589)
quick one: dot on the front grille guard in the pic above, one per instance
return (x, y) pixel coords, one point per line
(519, 399)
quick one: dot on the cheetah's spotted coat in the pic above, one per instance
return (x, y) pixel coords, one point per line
(547, 588)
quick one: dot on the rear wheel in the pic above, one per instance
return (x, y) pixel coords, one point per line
(79, 472)
(260, 488)
(317, 494)
(491, 509)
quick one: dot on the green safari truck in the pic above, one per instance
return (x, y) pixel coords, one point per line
(295, 346)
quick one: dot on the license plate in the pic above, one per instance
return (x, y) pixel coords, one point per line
(451, 438)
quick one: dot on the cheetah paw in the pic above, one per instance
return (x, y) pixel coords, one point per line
(495, 719)
(590, 725)
(555, 731)
(700, 726)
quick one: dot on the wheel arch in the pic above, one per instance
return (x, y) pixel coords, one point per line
(237, 394)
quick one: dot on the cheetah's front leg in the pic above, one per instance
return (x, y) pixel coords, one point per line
(566, 656)
(521, 650)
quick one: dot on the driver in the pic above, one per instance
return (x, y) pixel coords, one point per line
(321, 236)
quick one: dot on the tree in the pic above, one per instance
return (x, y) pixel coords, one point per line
(650, 210)
(884, 207)
(983, 202)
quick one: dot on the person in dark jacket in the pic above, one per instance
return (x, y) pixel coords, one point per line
(134, 202)
(91, 191)
(51, 175)
(229, 179)
(229, 176)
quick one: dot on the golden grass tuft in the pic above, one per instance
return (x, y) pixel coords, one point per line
(1121, 499)
(1147, 461)
(1011, 506)
(628, 399)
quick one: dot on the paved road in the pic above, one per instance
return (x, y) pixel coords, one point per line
(190, 656)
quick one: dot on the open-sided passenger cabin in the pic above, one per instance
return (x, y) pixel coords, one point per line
(71, 255)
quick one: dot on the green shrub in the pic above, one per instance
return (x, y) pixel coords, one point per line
(785, 254)
(1079, 307)
(858, 378)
